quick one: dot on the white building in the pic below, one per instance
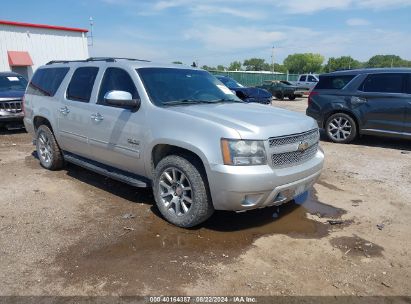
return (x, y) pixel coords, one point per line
(25, 46)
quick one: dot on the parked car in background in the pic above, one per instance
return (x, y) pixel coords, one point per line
(12, 87)
(247, 94)
(283, 89)
(367, 101)
(307, 81)
(175, 129)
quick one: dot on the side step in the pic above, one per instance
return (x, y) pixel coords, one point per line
(120, 175)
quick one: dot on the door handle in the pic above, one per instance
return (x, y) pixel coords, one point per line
(97, 117)
(64, 110)
(358, 100)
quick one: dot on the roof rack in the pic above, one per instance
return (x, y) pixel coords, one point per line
(91, 59)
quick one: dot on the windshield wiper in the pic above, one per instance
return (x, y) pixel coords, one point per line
(191, 101)
(224, 100)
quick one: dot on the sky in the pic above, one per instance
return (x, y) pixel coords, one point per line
(213, 32)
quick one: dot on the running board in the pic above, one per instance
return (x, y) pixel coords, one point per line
(120, 175)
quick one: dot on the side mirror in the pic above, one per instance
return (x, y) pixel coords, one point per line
(121, 99)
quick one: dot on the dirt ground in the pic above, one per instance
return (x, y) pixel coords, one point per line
(73, 232)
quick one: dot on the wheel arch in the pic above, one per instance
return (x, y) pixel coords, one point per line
(40, 120)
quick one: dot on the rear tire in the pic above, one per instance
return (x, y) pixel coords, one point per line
(181, 191)
(279, 96)
(291, 97)
(341, 128)
(48, 151)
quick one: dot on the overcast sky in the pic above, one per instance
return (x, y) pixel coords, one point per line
(216, 32)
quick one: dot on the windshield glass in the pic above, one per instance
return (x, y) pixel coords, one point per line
(12, 83)
(230, 83)
(168, 86)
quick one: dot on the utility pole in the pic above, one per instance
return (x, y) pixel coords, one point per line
(91, 31)
(272, 60)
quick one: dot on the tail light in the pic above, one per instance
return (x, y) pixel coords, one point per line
(310, 100)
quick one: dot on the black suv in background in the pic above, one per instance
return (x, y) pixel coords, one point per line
(367, 101)
(12, 87)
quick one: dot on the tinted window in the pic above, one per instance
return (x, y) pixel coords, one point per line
(303, 78)
(333, 82)
(12, 83)
(311, 78)
(81, 84)
(409, 84)
(45, 82)
(116, 79)
(384, 83)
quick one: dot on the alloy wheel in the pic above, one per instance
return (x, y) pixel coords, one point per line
(339, 128)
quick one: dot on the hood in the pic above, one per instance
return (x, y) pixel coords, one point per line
(11, 94)
(254, 92)
(250, 120)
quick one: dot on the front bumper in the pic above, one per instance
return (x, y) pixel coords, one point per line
(6, 117)
(250, 187)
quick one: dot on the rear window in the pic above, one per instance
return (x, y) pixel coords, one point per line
(383, 83)
(333, 82)
(45, 82)
(81, 84)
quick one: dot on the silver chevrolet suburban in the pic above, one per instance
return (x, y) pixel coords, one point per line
(176, 129)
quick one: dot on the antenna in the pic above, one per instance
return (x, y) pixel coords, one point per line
(90, 36)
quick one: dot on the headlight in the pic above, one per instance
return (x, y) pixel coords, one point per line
(243, 152)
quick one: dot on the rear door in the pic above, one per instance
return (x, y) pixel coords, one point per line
(116, 133)
(384, 102)
(75, 112)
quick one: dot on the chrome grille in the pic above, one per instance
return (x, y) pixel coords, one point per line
(294, 149)
(295, 157)
(309, 136)
(11, 106)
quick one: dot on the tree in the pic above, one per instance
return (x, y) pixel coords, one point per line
(235, 66)
(208, 68)
(304, 63)
(386, 61)
(256, 64)
(177, 62)
(341, 63)
(221, 67)
(278, 68)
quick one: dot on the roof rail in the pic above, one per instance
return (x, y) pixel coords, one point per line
(106, 59)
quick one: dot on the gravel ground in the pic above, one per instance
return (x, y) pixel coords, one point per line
(73, 232)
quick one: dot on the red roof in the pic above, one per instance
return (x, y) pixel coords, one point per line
(17, 58)
(44, 26)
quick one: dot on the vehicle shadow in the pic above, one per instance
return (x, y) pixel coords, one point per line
(376, 141)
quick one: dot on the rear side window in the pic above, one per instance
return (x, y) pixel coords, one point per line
(303, 78)
(45, 82)
(116, 79)
(333, 82)
(81, 84)
(383, 83)
(408, 90)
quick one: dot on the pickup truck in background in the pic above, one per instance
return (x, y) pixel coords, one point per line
(308, 81)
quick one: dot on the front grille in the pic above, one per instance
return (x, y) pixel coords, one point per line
(310, 136)
(295, 157)
(11, 106)
(294, 149)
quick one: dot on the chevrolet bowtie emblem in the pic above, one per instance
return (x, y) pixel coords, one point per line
(302, 146)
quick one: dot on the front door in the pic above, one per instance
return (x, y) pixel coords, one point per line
(407, 123)
(116, 133)
(383, 102)
(75, 112)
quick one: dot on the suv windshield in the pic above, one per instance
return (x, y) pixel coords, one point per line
(168, 86)
(12, 83)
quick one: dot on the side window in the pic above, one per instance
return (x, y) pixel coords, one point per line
(311, 78)
(408, 90)
(81, 84)
(303, 78)
(383, 83)
(118, 80)
(46, 81)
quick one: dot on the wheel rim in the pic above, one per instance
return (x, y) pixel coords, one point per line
(175, 191)
(44, 148)
(339, 128)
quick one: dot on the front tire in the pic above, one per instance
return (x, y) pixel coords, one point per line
(181, 192)
(48, 151)
(341, 128)
(291, 97)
